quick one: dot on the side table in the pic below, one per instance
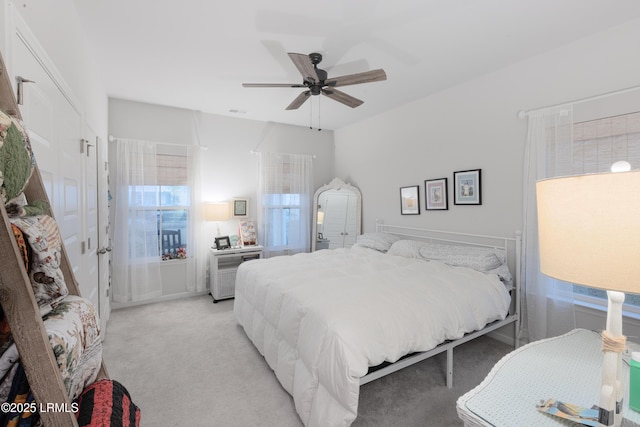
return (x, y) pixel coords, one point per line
(567, 368)
(223, 265)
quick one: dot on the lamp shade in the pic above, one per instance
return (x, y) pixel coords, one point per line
(589, 230)
(217, 211)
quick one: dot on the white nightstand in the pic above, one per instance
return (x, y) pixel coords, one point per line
(567, 368)
(223, 265)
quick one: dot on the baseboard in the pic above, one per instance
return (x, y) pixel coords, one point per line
(117, 306)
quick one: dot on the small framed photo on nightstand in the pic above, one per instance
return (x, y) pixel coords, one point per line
(223, 242)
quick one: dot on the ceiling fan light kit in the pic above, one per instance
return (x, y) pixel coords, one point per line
(316, 81)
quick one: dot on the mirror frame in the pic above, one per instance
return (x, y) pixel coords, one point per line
(335, 184)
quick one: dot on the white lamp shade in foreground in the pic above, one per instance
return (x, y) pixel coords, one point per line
(589, 230)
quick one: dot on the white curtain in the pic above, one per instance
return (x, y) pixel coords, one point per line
(548, 308)
(285, 192)
(137, 251)
(134, 278)
(197, 271)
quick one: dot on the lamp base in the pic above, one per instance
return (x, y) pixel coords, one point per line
(613, 344)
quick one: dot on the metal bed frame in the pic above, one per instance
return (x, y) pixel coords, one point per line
(512, 248)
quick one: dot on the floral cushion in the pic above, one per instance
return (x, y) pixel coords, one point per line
(74, 333)
(73, 329)
(43, 236)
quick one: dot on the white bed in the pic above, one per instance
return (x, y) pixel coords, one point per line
(322, 319)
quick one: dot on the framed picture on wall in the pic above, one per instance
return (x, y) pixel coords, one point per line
(240, 207)
(435, 194)
(410, 200)
(467, 187)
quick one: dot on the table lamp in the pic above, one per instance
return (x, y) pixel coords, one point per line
(589, 234)
(216, 212)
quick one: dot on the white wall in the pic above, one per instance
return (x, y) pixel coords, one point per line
(475, 125)
(230, 169)
(59, 31)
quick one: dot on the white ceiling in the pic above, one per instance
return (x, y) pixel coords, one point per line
(195, 54)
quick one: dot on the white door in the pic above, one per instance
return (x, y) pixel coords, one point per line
(68, 166)
(335, 211)
(104, 225)
(90, 245)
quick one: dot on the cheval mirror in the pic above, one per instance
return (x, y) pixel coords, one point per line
(336, 216)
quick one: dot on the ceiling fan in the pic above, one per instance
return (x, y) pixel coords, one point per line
(316, 82)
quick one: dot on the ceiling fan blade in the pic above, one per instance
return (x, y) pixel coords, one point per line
(304, 65)
(342, 97)
(300, 99)
(357, 78)
(272, 85)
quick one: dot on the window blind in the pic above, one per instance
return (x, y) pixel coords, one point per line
(597, 144)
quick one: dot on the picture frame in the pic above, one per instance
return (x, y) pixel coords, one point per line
(223, 242)
(240, 207)
(248, 235)
(410, 200)
(467, 186)
(435, 194)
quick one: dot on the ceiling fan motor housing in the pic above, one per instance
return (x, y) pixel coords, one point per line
(316, 87)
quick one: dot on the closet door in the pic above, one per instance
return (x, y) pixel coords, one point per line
(104, 226)
(335, 213)
(350, 221)
(55, 128)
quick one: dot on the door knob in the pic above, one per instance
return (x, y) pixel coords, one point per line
(104, 250)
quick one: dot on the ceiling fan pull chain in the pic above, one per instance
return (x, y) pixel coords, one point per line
(319, 127)
(311, 114)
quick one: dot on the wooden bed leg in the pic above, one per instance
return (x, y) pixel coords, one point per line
(450, 367)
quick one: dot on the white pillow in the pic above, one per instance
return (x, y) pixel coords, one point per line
(481, 259)
(407, 248)
(378, 241)
(503, 273)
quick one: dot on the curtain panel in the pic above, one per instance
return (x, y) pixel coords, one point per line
(285, 193)
(136, 250)
(547, 306)
(145, 171)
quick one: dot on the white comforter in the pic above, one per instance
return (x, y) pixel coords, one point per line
(322, 319)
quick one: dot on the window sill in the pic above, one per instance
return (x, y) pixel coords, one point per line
(601, 308)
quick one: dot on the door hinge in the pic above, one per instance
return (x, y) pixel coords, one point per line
(85, 143)
(20, 91)
(83, 247)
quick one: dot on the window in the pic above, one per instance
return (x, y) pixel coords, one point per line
(597, 144)
(285, 193)
(162, 210)
(169, 207)
(283, 215)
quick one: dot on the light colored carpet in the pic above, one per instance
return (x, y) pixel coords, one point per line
(187, 362)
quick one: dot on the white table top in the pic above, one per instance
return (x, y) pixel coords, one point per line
(237, 249)
(566, 368)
